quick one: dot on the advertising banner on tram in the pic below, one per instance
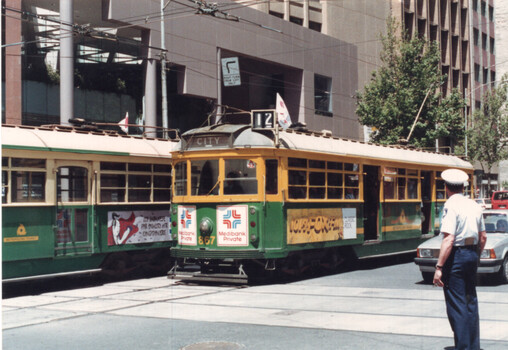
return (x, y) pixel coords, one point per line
(133, 227)
(232, 229)
(320, 225)
(187, 225)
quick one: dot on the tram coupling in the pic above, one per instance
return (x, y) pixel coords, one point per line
(209, 273)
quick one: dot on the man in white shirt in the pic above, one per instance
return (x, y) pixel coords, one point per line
(464, 237)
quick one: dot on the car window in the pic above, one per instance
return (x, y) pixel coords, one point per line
(496, 222)
(500, 195)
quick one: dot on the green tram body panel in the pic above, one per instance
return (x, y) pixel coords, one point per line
(30, 248)
(52, 221)
(399, 230)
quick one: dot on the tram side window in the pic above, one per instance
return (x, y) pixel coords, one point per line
(441, 190)
(204, 177)
(389, 187)
(72, 184)
(113, 184)
(181, 179)
(240, 176)
(297, 178)
(440, 187)
(351, 185)
(319, 179)
(161, 183)
(135, 182)
(400, 183)
(28, 180)
(5, 179)
(272, 178)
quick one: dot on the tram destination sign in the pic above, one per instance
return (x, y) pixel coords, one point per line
(208, 141)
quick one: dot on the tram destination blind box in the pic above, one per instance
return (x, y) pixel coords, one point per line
(264, 119)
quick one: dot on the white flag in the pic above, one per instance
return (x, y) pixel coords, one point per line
(282, 113)
(124, 123)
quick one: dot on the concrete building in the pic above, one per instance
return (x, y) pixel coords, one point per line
(117, 53)
(315, 54)
(501, 20)
(466, 34)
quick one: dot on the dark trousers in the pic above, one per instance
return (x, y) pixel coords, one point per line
(459, 277)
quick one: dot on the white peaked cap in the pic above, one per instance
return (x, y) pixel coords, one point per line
(455, 177)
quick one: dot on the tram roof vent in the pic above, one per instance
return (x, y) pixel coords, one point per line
(326, 133)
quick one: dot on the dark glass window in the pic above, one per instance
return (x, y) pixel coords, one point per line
(72, 184)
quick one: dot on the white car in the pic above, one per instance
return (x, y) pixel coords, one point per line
(494, 258)
(485, 203)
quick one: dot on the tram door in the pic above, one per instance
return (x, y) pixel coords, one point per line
(74, 212)
(426, 202)
(371, 202)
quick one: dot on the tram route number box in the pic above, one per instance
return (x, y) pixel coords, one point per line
(264, 119)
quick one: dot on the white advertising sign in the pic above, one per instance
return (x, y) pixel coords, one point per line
(232, 228)
(132, 227)
(187, 225)
(349, 219)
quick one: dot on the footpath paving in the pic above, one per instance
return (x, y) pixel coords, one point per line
(386, 313)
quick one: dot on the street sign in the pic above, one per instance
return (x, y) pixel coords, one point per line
(231, 71)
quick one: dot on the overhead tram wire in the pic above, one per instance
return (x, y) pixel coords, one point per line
(214, 63)
(109, 36)
(204, 8)
(303, 49)
(83, 30)
(203, 61)
(212, 10)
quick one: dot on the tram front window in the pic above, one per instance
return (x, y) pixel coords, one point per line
(204, 177)
(240, 177)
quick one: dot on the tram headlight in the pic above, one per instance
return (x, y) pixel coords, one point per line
(205, 227)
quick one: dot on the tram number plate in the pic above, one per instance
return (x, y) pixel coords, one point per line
(263, 119)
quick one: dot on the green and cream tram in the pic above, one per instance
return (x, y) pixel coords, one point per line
(77, 201)
(247, 198)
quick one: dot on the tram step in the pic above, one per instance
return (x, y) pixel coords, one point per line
(204, 277)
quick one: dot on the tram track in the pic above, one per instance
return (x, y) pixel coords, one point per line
(338, 304)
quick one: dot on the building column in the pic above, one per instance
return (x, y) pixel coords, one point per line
(150, 96)
(306, 13)
(150, 93)
(13, 72)
(66, 61)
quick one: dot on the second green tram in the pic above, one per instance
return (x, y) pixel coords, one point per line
(77, 201)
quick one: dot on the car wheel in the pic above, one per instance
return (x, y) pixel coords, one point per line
(428, 277)
(503, 272)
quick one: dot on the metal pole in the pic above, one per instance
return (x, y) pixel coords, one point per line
(219, 87)
(163, 73)
(465, 129)
(66, 61)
